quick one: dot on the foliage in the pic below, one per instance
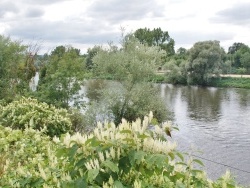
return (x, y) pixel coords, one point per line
(205, 61)
(130, 103)
(156, 37)
(90, 55)
(61, 77)
(28, 112)
(239, 56)
(176, 73)
(16, 68)
(231, 82)
(132, 67)
(130, 155)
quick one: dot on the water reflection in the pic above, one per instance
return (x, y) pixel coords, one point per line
(216, 121)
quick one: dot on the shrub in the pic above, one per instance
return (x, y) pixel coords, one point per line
(28, 112)
(130, 155)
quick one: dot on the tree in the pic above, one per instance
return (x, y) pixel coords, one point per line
(131, 67)
(205, 61)
(245, 61)
(235, 47)
(16, 68)
(61, 76)
(235, 55)
(156, 37)
(90, 54)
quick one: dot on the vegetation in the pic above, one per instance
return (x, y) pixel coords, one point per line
(61, 77)
(16, 68)
(117, 153)
(130, 155)
(231, 82)
(28, 112)
(156, 37)
(132, 66)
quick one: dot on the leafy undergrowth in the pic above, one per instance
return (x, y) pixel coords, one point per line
(129, 155)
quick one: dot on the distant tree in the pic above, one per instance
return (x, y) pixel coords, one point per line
(205, 61)
(182, 51)
(61, 77)
(90, 54)
(235, 47)
(245, 61)
(156, 37)
(235, 53)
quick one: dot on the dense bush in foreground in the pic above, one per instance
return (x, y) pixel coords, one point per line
(28, 112)
(129, 155)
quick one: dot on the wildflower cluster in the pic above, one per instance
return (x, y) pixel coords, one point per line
(129, 155)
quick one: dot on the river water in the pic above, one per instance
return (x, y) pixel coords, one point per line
(214, 124)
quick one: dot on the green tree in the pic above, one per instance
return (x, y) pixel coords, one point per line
(156, 37)
(90, 54)
(205, 61)
(61, 77)
(16, 68)
(245, 61)
(131, 67)
(235, 55)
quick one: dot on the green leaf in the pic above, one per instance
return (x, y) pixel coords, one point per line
(81, 182)
(139, 156)
(171, 155)
(112, 166)
(180, 156)
(143, 136)
(118, 184)
(196, 171)
(92, 173)
(124, 164)
(125, 131)
(80, 163)
(73, 151)
(198, 161)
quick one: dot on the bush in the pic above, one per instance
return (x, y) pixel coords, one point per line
(28, 112)
(130, 155)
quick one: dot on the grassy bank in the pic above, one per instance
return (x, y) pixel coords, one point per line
(231, 82)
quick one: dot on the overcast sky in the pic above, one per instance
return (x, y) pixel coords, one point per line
(85, 23)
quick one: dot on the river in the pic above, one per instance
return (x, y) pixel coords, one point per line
(214, 124)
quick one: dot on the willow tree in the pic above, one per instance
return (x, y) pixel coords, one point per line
(131, 96)
(205, 61)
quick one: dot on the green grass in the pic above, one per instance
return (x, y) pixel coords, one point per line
(231, 82)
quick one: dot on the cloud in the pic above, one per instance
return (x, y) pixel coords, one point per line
(187, 38)
(117, 11)
(34, 12)
(7, 7)
(66, 32)
(239, 14)
(41, 2)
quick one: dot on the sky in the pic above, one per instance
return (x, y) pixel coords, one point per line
(85, 23)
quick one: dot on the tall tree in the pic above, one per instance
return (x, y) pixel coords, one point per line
(156, 37)
(131, 67)
(16, 68)
(205, 61)
(62, 76)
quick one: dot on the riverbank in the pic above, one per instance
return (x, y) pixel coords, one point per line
(233, 81)
(236, 82)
